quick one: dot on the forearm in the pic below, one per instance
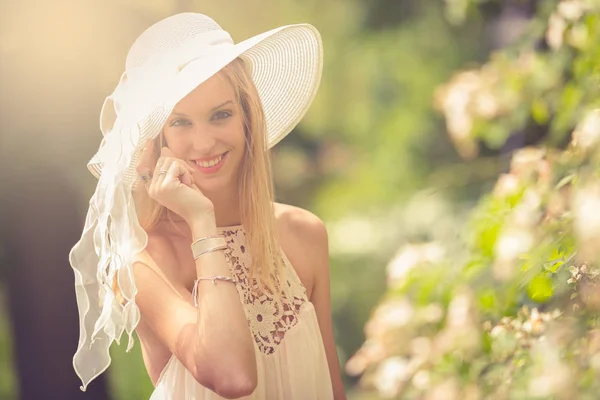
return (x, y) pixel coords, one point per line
(224, 339)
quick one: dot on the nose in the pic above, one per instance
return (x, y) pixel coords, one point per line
(203, 141)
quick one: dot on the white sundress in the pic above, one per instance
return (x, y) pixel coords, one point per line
(290, 355)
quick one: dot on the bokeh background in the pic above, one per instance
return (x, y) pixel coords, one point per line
(452, 152)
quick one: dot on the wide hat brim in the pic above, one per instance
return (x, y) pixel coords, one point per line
(285, 65)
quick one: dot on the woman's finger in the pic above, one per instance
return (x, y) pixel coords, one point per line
(167, 152)
(146, 159)
(178, 171)
(161, 164)
(187, 178)
(160, 171)
(145, 164)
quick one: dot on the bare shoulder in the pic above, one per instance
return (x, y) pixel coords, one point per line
(159, 249)
(302, 225)
(303, 238)
(161, 255)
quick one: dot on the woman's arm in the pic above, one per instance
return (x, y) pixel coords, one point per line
(321, 300)
(212, 341)
(311, 255)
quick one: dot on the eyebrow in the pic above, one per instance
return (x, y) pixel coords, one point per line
(213, 109)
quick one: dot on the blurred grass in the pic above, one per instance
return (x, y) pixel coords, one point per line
(8, 386)
(127, 374)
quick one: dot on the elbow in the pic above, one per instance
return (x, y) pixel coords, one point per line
(236, 387)
(231, 376)
(230, 384)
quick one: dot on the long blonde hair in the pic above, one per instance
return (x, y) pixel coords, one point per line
(256, 193)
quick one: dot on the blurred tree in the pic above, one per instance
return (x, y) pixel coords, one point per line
(39, 230)
(369, 143)
(508, 309)
(52, 78)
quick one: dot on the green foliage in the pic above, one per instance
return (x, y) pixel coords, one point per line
(128, 376)
(8, 383)
(472, 293)
(518, 304)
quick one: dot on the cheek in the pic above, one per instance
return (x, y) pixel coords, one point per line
(241, 138)
(241, 133)
(234, 135)
(176, 141)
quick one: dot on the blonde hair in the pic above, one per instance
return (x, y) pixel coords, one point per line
(256, 193)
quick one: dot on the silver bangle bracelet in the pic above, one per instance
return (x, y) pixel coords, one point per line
(208, 244)
(221, 247)
(213, 279)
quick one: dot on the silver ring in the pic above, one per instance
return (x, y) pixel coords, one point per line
(162, 171)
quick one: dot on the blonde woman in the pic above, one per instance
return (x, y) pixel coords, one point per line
(183, 244)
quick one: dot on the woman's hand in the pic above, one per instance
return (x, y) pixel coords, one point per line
(171, 184)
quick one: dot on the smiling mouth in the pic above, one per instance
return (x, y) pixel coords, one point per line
(210, 166)
(210, 163)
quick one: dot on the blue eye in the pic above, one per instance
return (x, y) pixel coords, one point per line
(180, 122)
(221, 115)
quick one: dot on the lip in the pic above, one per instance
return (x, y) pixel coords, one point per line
(214, 168)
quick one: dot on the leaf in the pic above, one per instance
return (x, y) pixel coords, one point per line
(540, 288)
(539, 111)
(556, 254)
(564, 181)
(553, 266)
(488, 300)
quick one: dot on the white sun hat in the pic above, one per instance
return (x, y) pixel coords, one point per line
(167, 62)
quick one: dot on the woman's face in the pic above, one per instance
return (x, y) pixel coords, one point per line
(206, 130)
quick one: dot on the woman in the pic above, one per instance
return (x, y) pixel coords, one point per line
(228, 291)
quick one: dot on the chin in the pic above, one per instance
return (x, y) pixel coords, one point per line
(220, 181)
(213, 184)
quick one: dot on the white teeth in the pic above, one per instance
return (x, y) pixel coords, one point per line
(208, 164)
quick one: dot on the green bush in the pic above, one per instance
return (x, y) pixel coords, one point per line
(508, 309)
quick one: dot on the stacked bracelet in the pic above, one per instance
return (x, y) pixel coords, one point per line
(203, 246)
(207, 245)
(213, 279)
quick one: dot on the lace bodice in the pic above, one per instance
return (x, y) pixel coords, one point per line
(270, 317)
(291, 362)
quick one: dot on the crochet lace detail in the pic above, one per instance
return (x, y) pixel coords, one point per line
(269, 317)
